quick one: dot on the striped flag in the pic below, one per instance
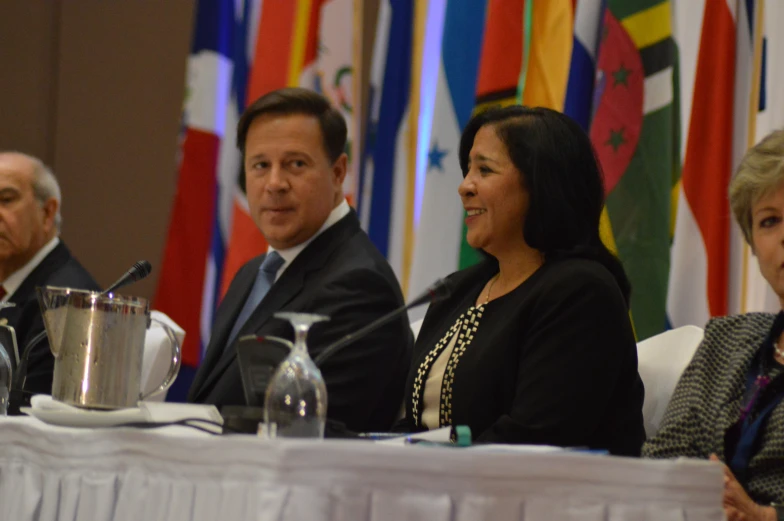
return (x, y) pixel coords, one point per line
(502, 54)
(700, 252)
(546, 66)
(770, 116)
(438, 250)
(582, 67)
(193, 256)
(747, 38)
(635, 131)
(384, 205)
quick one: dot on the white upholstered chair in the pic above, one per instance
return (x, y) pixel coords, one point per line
(661, 361)
(416, 326)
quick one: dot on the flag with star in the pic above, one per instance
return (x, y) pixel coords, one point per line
(636, 134)
(385, 184)
(439, 247)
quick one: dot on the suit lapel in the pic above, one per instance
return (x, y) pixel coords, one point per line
(279, 294)
(56, 258)
(286, 288)
(224, 320)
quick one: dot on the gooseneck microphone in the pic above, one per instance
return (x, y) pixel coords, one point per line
(439, 290)
(137, 272)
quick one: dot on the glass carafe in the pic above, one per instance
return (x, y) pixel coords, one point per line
(296, 401)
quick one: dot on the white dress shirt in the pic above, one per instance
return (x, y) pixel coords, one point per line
(289, 254)
(14, 280)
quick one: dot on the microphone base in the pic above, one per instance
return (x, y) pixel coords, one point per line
(242, 419)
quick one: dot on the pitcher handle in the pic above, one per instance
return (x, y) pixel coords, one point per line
(176, 361)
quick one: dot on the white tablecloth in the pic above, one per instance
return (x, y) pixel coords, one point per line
(123, 474)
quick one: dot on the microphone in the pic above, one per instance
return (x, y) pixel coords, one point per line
(137, 272)
(439, 290)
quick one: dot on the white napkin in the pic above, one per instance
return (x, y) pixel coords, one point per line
(43, 405)
(157, 354)
(172, 412)
(46, 403)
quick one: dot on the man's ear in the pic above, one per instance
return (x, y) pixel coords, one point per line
(50, 208)
(340, 168)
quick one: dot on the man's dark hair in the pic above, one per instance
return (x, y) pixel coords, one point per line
(564, 181)
(294, 100)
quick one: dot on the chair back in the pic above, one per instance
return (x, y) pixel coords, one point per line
(416, 326)
(661, 361)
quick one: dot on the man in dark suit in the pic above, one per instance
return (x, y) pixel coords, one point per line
(319, 261)
(31, 255)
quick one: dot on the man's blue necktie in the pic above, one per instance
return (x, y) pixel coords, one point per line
(264, 280)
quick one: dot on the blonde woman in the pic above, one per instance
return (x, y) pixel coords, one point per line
(728, 404)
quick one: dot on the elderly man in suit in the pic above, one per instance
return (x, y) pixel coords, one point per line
(318, 261)
(31, 255)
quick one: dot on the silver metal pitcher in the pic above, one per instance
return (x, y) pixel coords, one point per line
(98, 343)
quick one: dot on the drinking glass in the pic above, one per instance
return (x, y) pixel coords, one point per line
(296, 401)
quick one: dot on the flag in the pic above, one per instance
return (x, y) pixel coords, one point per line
(209, 164)
(700, 252)
(277, 62)
(333, 61)
(582, 67)
(211, 233)
(635, 131)
(498, 80)
(305, 43)
(386, 186)
(546, 66)
(524, 56)
(770, 116)
(440, 242)
(502, 54)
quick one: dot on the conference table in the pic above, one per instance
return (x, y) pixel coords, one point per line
(55, 473)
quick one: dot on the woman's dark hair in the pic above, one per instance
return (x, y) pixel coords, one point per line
(563, 179)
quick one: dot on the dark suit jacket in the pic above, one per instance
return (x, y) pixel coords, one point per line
(58, 268)
(552, 362)
(342, 275)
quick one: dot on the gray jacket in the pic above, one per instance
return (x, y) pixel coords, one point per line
(707, 401)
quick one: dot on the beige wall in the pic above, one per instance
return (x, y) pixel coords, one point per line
(95, 88)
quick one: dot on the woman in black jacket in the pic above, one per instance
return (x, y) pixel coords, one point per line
(535, 344)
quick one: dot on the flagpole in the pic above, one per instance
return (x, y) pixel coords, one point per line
(358, 95)
(417, 51)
